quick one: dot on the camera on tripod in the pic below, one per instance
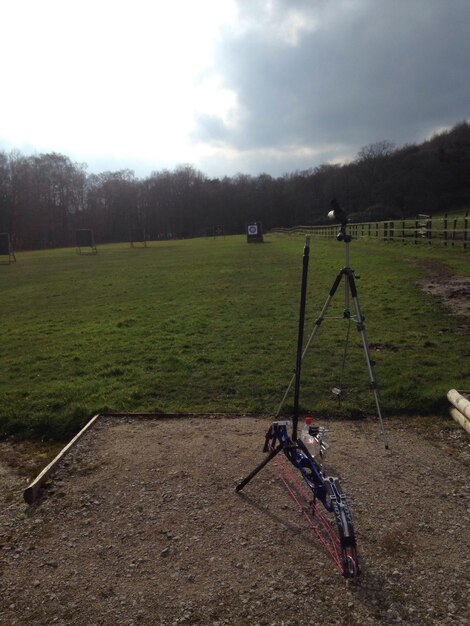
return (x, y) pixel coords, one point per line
(337, 214)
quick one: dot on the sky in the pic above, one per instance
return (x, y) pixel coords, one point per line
(228, 86)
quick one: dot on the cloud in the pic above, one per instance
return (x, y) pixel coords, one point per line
(319, 79)
(230, 85)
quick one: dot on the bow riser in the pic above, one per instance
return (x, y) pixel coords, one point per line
(326, 489)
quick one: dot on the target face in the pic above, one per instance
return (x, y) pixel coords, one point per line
(252, 229)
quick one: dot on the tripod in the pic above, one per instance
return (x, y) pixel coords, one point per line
(350, 291)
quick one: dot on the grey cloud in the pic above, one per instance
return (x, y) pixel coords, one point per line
(210, 126)
(370, 70)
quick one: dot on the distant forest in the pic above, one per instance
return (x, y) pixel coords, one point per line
(45, 198)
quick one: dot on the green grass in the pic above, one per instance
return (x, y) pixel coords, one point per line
(211, 325)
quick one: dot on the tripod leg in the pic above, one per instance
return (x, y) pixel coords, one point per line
(259, 467)
(316, 326)
(361, 328)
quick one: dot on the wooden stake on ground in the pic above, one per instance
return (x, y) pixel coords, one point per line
(460, 403)
(31, 493)
(460, 419)
(460, 411)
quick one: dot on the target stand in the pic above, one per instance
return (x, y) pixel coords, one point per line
(6, 249)
(254, 233)
(85, 239)
(219, 231)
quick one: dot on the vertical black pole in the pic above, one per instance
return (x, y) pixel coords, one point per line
(300, 337)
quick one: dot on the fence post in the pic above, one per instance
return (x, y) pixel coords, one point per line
(403, 231)
(445, 229)
(385, 231)
(453, 231)
(416, 230)
(369, 225)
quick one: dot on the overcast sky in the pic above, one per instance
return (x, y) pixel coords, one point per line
(229, 86)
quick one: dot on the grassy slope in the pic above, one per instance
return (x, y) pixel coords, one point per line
(211, 325)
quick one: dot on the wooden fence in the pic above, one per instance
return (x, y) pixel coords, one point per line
(448, 231)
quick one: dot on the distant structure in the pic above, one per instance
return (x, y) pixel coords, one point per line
(219, 231)
(138, 236)
(6, 249)
(85, 239)
(254, 233)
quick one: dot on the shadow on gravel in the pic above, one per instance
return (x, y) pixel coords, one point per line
(297, 530)
(372, 591)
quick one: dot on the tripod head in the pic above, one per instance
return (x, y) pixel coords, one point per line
(337, 214)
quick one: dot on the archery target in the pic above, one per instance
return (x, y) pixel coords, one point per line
(252, 229)
(84, 238)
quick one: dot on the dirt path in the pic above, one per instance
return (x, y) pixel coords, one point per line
(452, 291)
(141, 525)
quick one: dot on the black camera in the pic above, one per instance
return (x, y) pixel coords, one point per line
(337, 214)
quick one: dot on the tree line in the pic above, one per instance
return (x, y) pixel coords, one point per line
(45, 198)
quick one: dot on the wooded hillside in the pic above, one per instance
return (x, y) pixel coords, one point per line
(45, 198)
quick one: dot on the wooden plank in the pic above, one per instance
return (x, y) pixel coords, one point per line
(157, 416)
(31, 493)
(460, 403)
(460, 419)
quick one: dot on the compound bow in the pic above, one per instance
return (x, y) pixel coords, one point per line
(337, 537)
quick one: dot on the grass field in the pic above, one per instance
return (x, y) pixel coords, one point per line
(211, 325)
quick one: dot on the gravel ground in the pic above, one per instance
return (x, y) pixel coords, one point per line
(141, 525)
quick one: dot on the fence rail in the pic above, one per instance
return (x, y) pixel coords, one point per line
(448, 231)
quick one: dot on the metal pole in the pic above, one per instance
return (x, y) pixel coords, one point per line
(259, 467)
(346, 286)
(300, 336)
(316, 326)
